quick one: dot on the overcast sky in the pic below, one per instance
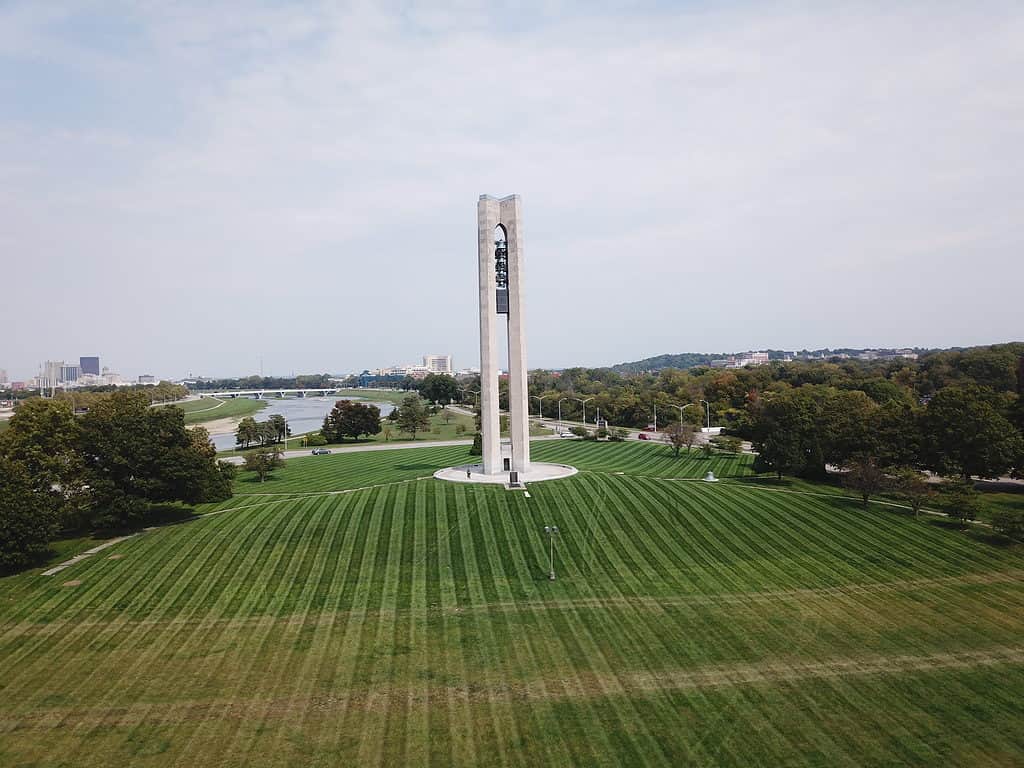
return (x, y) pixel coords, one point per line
(189, 189)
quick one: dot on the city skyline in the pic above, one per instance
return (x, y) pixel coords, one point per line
(292, 181)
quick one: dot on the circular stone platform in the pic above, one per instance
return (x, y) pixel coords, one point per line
(539, 471)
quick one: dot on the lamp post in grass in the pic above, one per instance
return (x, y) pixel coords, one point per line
(551, 531)
(560, 411)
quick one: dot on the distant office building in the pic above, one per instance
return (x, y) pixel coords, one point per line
(89, 365)
(3, 377)
(17, 386)
(147, 379)
(741, 361)
(438, 363)
(69, 374)
(49, 376)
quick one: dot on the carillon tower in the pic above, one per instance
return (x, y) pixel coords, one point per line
(500, 241)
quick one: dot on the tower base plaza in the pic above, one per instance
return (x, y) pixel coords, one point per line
(500, 265)
(474, 473)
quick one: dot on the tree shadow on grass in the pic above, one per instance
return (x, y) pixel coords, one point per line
(255, 480)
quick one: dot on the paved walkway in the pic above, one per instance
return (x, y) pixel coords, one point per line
(88, 553)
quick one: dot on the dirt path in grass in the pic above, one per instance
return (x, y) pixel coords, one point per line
(269, 498)
(738, 600)
(540, 689)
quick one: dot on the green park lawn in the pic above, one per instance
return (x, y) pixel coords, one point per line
(440, 429)
(352, 610)
(372, 395)
(210, 409)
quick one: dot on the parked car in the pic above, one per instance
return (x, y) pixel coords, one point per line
(321, 451)
(567, 434)
(643, 436)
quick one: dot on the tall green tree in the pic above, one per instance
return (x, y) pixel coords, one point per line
(43, 439)
(280, 425)
(267, 432)
(787, 432)
(965, 434)
(913, 487)
(248, 432)
(848, 426)
(680, 436)
(412, 415)
(263, 462)
(864, 477)
(962, 501)
(135, 456)
(351, 419)
(28, 516)
(898, 435)
(439, 388)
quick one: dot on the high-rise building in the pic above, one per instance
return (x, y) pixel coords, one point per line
(69, 374)
(438, 363)
(49, 377)
(3, 377)
(90, 365)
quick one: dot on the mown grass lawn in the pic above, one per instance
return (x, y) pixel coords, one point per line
(317, 621)
(210, 409)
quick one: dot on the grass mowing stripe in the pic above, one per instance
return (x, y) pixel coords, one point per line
(290, 667)
(365, 668)
(507, 557)
(343, 625)
(251, 674)
(108, 634)
(315, 636)
(593, 651)
(466, 644)
(463, 728)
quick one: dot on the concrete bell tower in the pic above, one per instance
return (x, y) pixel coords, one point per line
(500, 244)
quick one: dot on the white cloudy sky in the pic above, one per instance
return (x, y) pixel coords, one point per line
(191, 187)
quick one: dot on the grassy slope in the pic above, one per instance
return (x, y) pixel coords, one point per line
(412, 623)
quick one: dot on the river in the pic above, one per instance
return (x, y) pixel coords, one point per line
(304, 414)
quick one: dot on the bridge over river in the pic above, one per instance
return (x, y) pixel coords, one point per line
(259, 394)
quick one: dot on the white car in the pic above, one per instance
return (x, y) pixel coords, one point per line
(567, 434)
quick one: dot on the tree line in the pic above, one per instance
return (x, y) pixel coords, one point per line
(273, 430)
(106, 469)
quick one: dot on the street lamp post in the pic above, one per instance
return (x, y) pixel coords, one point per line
(655, 418)
(551, 531)
(560, 411)
(540, 403)
(584, 408)
(708, 406)
(470, 391)
(681, 409)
